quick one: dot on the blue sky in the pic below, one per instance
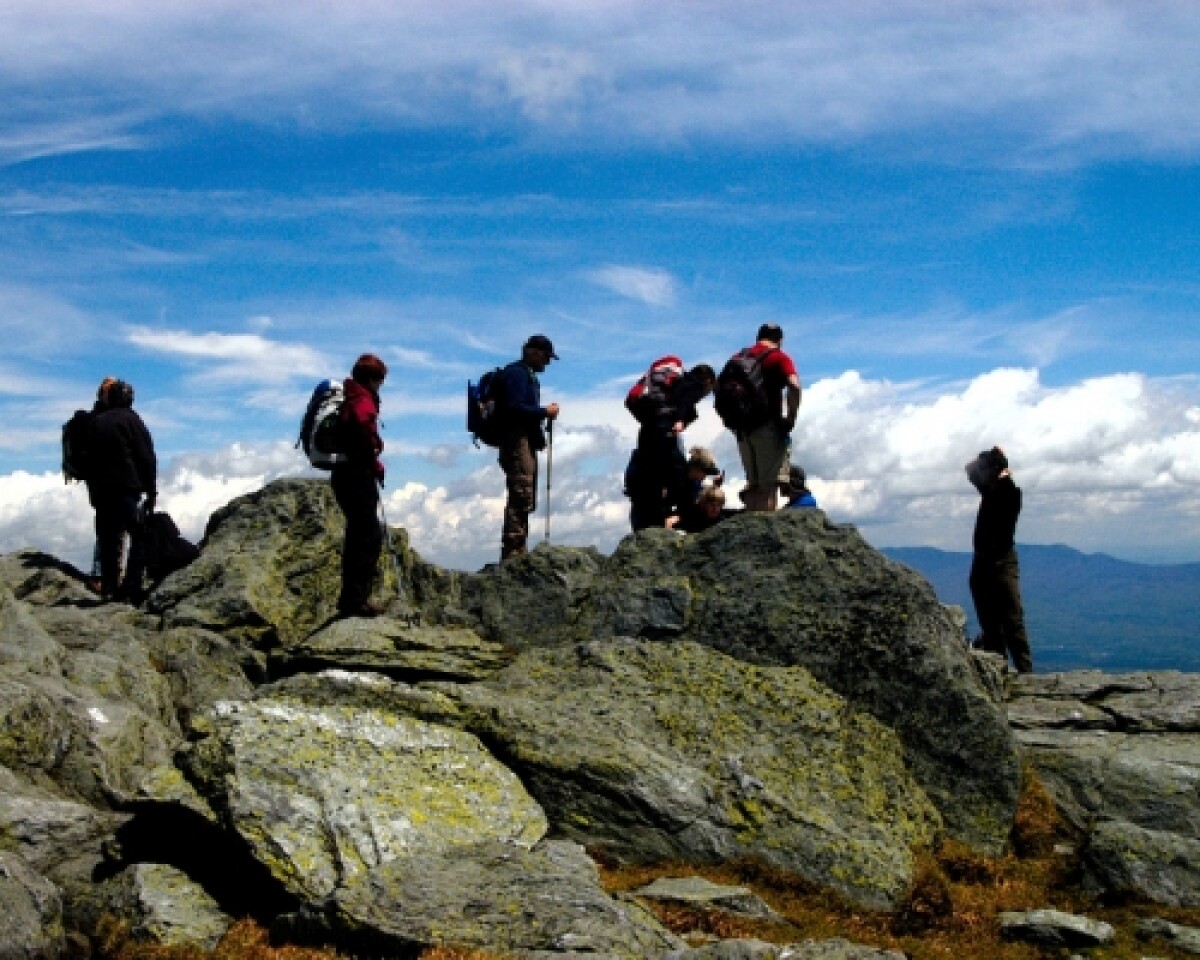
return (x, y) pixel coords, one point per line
(976, 223)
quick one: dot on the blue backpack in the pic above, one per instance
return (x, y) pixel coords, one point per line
(320, 434)
(484, 420)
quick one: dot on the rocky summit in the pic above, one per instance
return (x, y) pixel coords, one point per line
(772, 690)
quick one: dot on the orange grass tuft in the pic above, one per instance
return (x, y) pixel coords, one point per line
(951, 912)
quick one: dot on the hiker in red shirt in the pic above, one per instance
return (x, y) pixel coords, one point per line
(763, 445)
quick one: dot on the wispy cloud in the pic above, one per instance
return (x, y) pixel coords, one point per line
(32, 141)
(1107, 76)
(645, 285)
(235, 357)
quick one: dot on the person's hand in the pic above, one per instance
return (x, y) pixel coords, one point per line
(552, 412)
(677, 427)
(671, 522)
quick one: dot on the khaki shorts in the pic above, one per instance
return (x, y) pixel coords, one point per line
(764, 453)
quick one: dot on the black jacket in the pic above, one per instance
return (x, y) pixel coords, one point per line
(681, 401)
(996, 523)
(121, 453)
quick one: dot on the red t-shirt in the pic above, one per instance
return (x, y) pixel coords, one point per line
(777, 368)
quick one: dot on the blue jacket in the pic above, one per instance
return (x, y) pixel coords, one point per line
(521, 405)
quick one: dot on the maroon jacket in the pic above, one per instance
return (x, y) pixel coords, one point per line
(360, 429)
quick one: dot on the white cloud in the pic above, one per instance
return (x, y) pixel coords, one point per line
(1110, 463)
(242, 358)
(653, 287)
(1121, 77)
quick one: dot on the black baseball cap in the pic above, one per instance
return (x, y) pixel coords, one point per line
(539, 342)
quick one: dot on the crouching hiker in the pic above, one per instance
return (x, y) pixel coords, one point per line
(122, 466)
(521, 414)
(356, 480)
(708, 510)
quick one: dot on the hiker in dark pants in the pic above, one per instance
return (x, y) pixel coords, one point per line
(521, 414)
(356, 483)
(995, 575)
(122, 466)
(661, 484)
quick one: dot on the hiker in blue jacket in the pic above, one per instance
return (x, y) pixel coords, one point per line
(799, 496)
(519, 407)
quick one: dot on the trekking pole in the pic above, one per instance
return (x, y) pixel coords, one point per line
(549, 471)
(413, 616)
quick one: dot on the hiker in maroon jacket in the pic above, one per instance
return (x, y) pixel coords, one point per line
(356, 483)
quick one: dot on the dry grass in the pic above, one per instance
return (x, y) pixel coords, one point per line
(245, 940)
(950, 913)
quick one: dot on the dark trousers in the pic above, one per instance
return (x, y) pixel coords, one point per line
(519, 463)
(996, 591)
(358, 496)
(117, 514)
(660, 484)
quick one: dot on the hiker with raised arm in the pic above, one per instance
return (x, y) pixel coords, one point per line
(357, 476)
(750, 401)
(664, 402)
(121, 468)
(995, 574)
(518, 399)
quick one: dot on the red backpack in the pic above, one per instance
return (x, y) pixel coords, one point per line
(650, 394)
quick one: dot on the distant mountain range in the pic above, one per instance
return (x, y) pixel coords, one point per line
(1086, 610)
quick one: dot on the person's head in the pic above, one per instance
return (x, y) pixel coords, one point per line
(369, 370)
(711, 502)
(538, 352)
(771, 333)
(703, 374)
(797, 481)
(701, 464)
(102, 391)
(119, 394)
(987, 468)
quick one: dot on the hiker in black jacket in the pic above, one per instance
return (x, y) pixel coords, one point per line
(121, 468)
(519, 407)
(995, 575)
(658, 483)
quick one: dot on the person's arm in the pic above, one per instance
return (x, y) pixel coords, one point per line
(793, 402)
(145, 461)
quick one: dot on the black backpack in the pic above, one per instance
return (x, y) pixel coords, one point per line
(166, 549)
(484, 419)
(76, 443)
(741, 396)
